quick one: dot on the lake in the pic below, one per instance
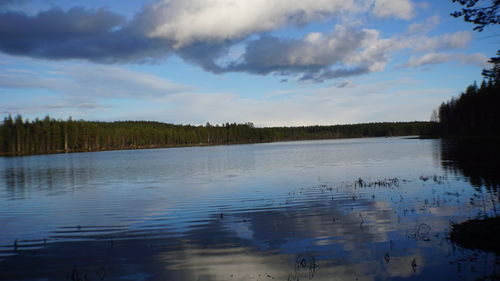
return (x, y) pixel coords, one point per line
(350, 209)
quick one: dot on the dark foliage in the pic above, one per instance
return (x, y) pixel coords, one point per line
(494, 72)
(474, 113)
(20, 137)
(480, 16)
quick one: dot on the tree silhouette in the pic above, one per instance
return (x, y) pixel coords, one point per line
(482, 16)
(19, 136)
(494, 72)
(473, 113)
(476, 111)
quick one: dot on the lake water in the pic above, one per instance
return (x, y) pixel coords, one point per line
(351, 209)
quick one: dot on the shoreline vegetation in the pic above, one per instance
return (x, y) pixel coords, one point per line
(48, 136)
(470, 117)
(475, 113)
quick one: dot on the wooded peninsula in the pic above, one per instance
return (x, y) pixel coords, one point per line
(48, 135)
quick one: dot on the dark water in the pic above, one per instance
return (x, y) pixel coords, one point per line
(354, 209)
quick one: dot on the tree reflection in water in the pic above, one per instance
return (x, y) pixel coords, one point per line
(383, 228)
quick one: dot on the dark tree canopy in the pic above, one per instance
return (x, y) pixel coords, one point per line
(494, 72)
(481, 16)
(473, 113)
(20, 137)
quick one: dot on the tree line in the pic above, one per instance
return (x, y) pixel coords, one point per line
(475, 112)
(48, 135)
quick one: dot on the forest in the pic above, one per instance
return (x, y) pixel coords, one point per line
(473, 113)
(48, 135)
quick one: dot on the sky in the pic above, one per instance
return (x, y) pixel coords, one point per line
(270, 62)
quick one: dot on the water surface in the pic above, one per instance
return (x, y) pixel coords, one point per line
(352, 209)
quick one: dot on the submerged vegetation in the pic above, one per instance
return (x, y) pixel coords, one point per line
(21, 137)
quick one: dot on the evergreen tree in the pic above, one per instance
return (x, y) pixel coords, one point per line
(20, 137)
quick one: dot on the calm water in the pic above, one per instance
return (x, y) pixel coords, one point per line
(353, 209)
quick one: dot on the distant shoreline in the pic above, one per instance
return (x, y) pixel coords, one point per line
(49, 136)
(409, 137)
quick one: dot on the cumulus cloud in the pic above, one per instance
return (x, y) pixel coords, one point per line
(451, 41)
(206, 55)
(78, 33)
(403, 9)
(103, 36)
(186, 22)
(349, 51)
(478, 59)
(204, 32)
(425, 26)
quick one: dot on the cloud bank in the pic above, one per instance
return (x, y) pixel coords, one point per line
(89, 82)
(351, 51)
(203, 32)
(78, 33)
(107, 92)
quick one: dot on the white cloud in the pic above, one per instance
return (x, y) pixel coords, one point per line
(367, 102)
(459, 39)
(425, 26)
(346, 51)
(478, 59)
(403, 9)
(222, 36)
(186, 22)
(92, 81)
(84, 92)
(203, 31)
(318, 56)
(376, 51)
(114, 82)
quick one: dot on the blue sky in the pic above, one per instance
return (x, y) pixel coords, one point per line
(273, 62)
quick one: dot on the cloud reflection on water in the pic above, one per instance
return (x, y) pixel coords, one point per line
(320, 231)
